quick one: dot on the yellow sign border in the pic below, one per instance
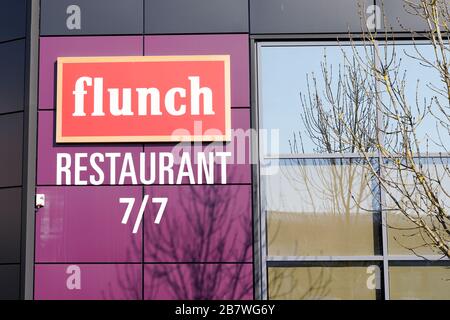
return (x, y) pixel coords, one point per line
(168, 138)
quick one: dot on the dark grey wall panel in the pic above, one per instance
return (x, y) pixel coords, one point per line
(11, 143)
(9, 282)
(398, 17)
(195, 16)
(300, 16)
(12, 19)
(12, 76)
(97, 17)
(10, 212)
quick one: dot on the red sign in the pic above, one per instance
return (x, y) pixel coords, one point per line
(143, 99)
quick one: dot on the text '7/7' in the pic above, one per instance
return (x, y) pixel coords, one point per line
(131, 202)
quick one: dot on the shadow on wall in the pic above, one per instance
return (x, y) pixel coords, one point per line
(201, 250)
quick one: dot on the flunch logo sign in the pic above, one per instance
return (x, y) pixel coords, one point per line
(143, 99)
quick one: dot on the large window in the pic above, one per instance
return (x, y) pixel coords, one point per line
(310, 197)
(328, 230)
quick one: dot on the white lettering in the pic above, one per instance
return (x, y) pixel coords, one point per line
(196, 92)
(223, 165)
(143, 93)
(170, 101)
(79, 94)
(205, 168)
(98, 98)
(166, 167)
(94, 168)
(94, 165)
(185, 169)
(112, 156)
(79, 169)
(143, 164)
(128, 169)
(125, 110)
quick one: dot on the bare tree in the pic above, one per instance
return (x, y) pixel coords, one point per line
(208, 239)
(199, 252)
(366, 107)
(285, 284)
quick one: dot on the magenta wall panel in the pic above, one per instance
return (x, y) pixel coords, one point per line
(200, 224)
(88, 281)
(198, 282)
(201, 249)
(240, 119)
(47, 150)
(53, 47)
(238, 167)
(83, 224)
(235, 45)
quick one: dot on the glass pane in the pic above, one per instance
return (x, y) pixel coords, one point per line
(420, 90)
(321, 207)
(419, 282)
(287, 79)
(405, 237)
(325, 282)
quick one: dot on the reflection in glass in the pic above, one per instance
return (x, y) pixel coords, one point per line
(321, 207)
(289, 77)
(330, 282)
(419, 282)
(405, 236)
(330, 207)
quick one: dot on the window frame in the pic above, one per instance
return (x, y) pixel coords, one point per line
(261, 259)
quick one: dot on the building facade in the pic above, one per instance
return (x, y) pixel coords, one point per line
(276, 224)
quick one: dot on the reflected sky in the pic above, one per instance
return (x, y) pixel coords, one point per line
(282, 77)
(319, 186)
